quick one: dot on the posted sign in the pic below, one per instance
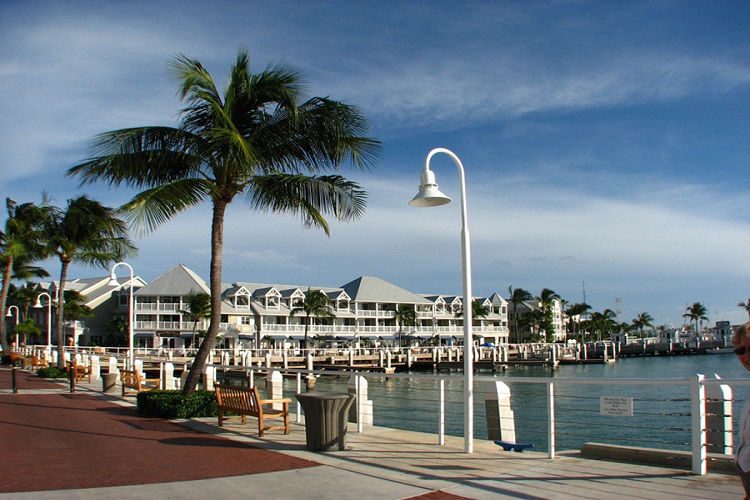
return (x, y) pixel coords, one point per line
(617, 406)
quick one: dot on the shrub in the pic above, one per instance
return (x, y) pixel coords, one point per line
(172, 404)
(52, 372)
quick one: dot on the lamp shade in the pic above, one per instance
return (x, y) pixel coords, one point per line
(429, 195)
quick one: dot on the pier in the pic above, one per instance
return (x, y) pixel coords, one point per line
(381, 463)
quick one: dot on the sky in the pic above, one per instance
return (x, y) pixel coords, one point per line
(606, 144)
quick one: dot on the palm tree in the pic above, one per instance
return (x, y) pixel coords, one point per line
(745, 306)
(87, 232)
(546, 301)
(697, 314)
(603, 323)
(74, 307)
(255, 140)
(575, 312)
(517, 297)
(642, 321)
(20, 245)
(198, 308)
(405, 315)
(316, 305)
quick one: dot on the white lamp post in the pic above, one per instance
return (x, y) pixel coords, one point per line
(131, 310)
(39, 305)
(9, 315)
(430, 196)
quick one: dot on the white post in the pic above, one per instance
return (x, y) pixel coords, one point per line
(169, 381)
(95, 367)
(551, 419)
(441, 427)
(698, 403)
(209, 377)
(276, 389)
(500, 419)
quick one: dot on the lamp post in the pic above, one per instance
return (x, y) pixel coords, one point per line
(39, 305)
(9, 315)
(131, 310)
(430, 196)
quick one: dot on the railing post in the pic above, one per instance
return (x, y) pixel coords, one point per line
(441, 425)
(299, 390)
(551, 419)
(358, 384)
(698, 403)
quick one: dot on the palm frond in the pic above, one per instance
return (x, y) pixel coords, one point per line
(309, 197)
(153, 207)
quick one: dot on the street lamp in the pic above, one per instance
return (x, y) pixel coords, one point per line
(131, 310)
(39, 305)
(430, 196)
(9, 315)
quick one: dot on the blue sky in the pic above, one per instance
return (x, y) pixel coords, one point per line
(605, 143)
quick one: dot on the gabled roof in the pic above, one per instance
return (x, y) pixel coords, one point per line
(496, 298)
(371, 289)
(177, 281)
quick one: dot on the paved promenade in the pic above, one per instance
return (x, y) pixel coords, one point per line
(92, 445)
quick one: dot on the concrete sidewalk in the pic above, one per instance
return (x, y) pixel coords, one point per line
(47, 425)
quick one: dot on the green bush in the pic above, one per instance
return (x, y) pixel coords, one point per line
(52, 372)
(172, 404)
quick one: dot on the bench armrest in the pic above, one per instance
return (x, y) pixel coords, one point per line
(271, 401)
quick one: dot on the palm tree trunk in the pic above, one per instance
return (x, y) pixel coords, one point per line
(217, 247)
(3, 298)
(61, 313)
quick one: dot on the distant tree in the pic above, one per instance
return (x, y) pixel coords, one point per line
(316, 305)
(405, 315)
(575, 312)
(642, 321)
(87, 232)
(517, 297)
(745, 306)
(27, 330)
(198, 308)
(119, 332)
(23, 297)
(478, 310)
(21, 244)
(546, 300)
(602, 323)
(696, 313)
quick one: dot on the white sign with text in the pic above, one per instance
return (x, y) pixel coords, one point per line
(617, 406)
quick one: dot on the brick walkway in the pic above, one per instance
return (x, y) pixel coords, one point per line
(61, 441)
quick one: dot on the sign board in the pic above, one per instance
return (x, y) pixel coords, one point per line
(616, 406)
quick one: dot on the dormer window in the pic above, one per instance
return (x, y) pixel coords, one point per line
(241, 301)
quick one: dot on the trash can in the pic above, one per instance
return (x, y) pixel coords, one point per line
(109, 382)
(325, 419)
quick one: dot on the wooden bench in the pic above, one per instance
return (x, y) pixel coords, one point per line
(245, 401)
(132, 382)
(18, 360)
(37, 362)
(79, 371)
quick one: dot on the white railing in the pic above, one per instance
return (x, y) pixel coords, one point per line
(543, 406)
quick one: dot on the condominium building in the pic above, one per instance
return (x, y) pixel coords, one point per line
(260, 314)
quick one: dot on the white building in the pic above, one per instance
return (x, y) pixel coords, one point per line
(255, 314)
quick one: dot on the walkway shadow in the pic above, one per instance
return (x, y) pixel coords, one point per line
(206, 442)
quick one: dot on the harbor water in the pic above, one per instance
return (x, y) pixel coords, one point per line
(661, 414)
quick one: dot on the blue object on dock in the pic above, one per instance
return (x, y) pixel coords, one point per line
(517, 447)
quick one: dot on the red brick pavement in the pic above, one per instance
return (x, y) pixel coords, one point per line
(64, 441)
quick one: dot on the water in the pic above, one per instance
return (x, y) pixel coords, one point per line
(661, 413)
